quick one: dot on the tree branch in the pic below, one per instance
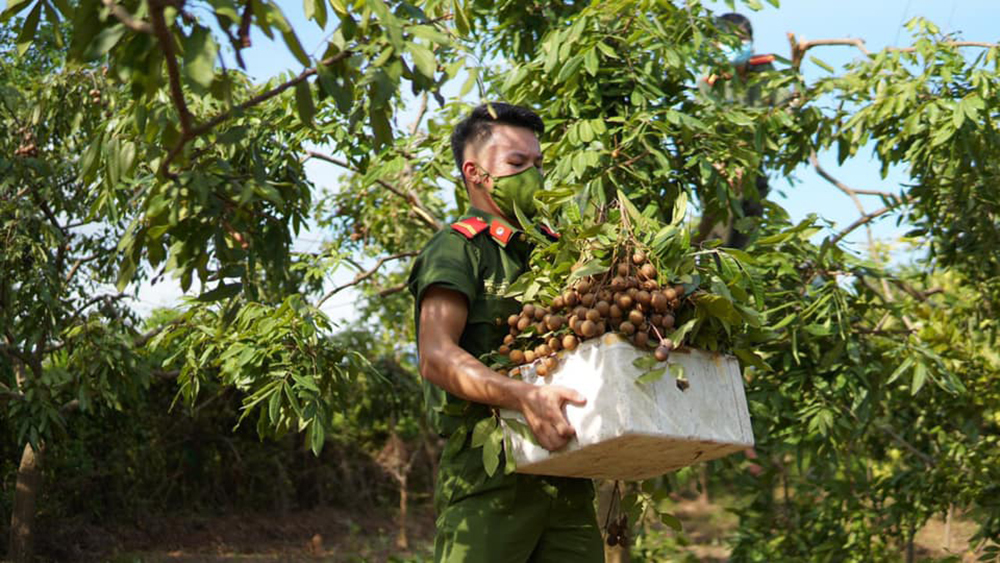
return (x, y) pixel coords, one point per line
(126, 18)
(362, 276)
(76, 265)
(166, 41)
(418, 207)
(391, 290)
(256, 100)
(800, 46)
(868, 218)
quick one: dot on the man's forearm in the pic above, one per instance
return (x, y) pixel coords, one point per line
(461, 374)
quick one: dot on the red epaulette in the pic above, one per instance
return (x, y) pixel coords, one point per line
(761, 60)
(549, 232)
(470, 227)
(500, 232)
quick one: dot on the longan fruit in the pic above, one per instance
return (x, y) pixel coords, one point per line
(622, 269)
(558, 303)
(679, 290)
(554, 344)
(656, 319)
(668, 344)
(661, 353)
(583, 286)
(670, 294)
(588, 299)
(570, 342)
(625, 301)
(517, 356)
(551, 363)
(601, 328)
(555, 322)
(618, 283)
(604, 295)
(509, 339)
(627, 328)
(635, 317)
(529, 356)
(659, 301)
(539, 327)
(593, 315)
(633, 292)
(603, 308)
(650, 285)
(503, 350)
(588, 328)
(641, 339)
(580, 312)
(668, 321)
(542, 350)
(512, 320)
(571, 298)
(615, 312)
(523, 323)
(649, 271)
(638, 257)
(631, 282)
(540, 313)
(528, 310)
(541, 370)
(643, 297)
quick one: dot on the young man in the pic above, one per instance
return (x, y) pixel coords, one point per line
(458, 282)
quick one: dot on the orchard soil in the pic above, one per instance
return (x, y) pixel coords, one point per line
(359, 534)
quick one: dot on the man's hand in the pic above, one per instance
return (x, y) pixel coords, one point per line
(542, 407)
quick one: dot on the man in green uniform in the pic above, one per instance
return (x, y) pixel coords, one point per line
(739, 85)
(458, 282)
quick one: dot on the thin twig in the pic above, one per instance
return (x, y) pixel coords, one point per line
(422, 212)
(362, 276)
(126, 18)
(850, 193)
(391, 290)
(76, 265)
(420, 114)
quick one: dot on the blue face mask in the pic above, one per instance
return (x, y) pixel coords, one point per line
(738, 55)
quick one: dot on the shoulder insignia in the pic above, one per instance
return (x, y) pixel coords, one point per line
(500, 232)
(470, 227)
(761, 60)
(549, 232)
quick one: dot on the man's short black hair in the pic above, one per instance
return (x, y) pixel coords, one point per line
(739, 21)
(478, 125)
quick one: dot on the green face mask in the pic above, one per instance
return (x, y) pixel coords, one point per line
(519, 189)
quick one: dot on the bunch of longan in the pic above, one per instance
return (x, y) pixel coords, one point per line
(627, 300)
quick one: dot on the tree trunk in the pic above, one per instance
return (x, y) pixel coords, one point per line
(402, 542)
(947, 527)
(22, 518)
(605, 497)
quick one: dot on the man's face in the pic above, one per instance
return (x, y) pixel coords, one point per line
(509, 150)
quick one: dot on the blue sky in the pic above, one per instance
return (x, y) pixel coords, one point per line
(879, 22)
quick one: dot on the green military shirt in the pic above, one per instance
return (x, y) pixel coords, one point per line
(479, 256)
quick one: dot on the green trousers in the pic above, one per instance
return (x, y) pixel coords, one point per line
(512, 518)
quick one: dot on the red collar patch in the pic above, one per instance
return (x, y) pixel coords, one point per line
(501, 232)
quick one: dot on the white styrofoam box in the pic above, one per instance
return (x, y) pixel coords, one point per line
(633, 431)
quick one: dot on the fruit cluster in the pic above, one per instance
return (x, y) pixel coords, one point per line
(627, 300)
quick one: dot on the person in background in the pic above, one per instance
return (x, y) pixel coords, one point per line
(737, 85)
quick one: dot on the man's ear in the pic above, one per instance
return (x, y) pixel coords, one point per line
(473, 174)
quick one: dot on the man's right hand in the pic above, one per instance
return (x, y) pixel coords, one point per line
(542, 407)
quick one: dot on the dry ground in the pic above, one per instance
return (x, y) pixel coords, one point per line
(340, 535)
